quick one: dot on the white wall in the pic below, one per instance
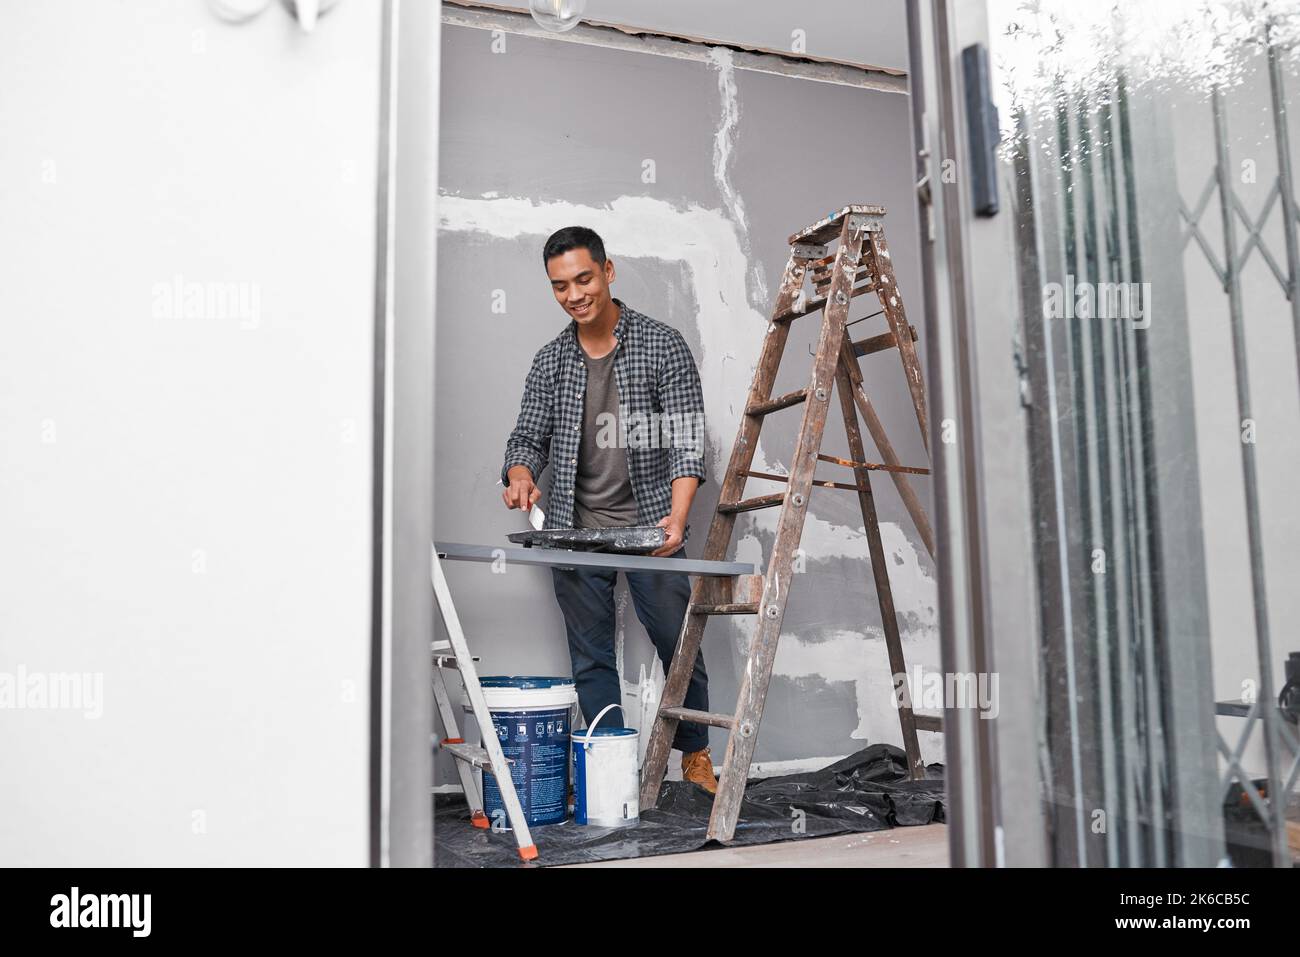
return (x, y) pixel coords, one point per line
(185, 499)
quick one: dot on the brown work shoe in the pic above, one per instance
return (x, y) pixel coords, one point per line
(698, 767)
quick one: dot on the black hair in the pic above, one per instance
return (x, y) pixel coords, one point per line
(574, 237)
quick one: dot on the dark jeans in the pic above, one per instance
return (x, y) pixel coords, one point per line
(586, 597)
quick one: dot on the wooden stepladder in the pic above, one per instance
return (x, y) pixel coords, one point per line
(861, 264)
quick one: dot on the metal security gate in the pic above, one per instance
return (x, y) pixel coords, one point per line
(1219, 196)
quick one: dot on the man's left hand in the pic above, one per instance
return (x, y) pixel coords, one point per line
(676, 532)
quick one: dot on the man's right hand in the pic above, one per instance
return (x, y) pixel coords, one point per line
(521, 492)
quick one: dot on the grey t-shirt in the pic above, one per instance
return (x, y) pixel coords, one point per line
(602, 490)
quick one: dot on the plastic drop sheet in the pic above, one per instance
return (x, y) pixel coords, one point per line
(867, 791)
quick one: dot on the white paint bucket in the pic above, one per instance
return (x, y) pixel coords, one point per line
(606, 785)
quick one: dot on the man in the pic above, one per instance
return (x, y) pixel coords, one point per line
(614, 404)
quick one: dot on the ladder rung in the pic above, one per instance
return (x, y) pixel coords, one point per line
(818, 483)
(872, 344)
(821, 275)
(470, 754)
(750, 504)
(928, 722)
(872, 466)
(782, 402)
(730, 608)
(822, 288)
(809, 305)
(816, 302)
(700, 717)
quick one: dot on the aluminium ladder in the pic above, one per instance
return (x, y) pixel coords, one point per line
(489, 757)
(861, 264)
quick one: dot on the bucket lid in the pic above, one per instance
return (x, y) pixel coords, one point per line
(528, 692)
(603, 732)
(525, 682)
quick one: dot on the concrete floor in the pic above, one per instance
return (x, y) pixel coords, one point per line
(899, 847)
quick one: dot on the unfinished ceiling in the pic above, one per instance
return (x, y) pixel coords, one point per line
(871, 33)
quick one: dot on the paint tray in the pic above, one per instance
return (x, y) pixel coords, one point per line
(625, 540)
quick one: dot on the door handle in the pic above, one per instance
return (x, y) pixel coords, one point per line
(982, 129)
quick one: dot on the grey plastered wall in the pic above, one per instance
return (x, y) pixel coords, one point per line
(539, 135)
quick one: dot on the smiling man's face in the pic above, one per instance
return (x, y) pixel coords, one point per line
(581, 285)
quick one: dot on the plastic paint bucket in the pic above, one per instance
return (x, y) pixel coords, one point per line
(532, 716)
(606, 782)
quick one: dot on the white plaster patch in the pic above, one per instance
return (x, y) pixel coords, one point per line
(915, 592)
(859, 657)
(724, 139)
(844, 656)
(851, 656)
(630, 702)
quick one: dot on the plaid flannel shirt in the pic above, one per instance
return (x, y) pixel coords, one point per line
(661, 413)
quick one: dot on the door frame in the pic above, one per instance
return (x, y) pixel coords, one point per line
(401, 689)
